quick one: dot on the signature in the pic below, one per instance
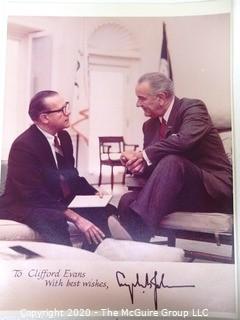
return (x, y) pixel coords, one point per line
(148, 282)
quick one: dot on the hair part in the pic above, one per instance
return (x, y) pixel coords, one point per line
(158, 83)
(37, 104)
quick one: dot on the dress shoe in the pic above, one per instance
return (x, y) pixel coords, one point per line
(117, 230)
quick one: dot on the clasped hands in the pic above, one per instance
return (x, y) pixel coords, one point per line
(133, 161)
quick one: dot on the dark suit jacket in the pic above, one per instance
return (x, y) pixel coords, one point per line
(33, 179)
(191, 134)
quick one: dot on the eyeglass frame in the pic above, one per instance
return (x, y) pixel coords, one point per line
(66, 107)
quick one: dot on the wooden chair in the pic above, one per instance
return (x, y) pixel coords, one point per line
(110, 149)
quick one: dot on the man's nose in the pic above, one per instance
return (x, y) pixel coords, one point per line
(138, 104)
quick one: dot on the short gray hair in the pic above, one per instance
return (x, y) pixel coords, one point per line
(158, 83)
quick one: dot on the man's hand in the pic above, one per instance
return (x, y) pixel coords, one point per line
(127, 155)
(101, 193)
(89, 229)
(134, 161)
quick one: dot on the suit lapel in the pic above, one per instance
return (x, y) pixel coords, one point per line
(155, 131)
(48, 164)
(43, 148)
(172, 117)
(64, 144)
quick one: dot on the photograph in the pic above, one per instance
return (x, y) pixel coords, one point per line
(118, 174)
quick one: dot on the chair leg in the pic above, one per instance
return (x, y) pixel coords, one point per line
(100, 176)
(124, 175)
(112, 179)
(171, 239)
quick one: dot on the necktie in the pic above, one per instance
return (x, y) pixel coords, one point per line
(60, 160)
(163, 128)
(58, 152)
(57, 146)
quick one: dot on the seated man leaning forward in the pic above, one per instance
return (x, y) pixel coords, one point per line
(42, 180)
(183, 160)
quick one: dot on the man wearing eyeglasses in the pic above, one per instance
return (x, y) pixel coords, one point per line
(42, 180)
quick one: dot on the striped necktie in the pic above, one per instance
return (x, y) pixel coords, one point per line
(57, 146)
(163, 128)
(60, 160)
(58, 152)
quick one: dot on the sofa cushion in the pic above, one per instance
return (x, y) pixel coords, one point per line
(12, 230)
(208, 222)
(226, 137)
(125, 250)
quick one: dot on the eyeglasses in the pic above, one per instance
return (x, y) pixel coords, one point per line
(65, 109)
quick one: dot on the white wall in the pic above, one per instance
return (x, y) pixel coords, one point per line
(11, 113)
(41, 65)
(66, 36)
(200, 48)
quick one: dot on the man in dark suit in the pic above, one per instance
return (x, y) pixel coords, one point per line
(183, 160)
(42, 180)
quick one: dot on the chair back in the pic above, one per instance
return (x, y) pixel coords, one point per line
(110, 149)
(111, 145)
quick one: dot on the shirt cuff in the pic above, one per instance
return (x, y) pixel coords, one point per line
(145, 157)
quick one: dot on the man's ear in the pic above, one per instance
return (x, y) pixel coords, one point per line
(43, 118)
(162, 96)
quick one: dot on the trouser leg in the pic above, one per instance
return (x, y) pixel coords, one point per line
(51, 224)
(131, 220)
(98, 216)
(175, 184)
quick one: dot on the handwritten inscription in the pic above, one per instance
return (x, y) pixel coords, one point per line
(61, 278)
(148, 281)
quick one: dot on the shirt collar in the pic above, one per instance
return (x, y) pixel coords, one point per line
(167, 113)
(49, 136)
